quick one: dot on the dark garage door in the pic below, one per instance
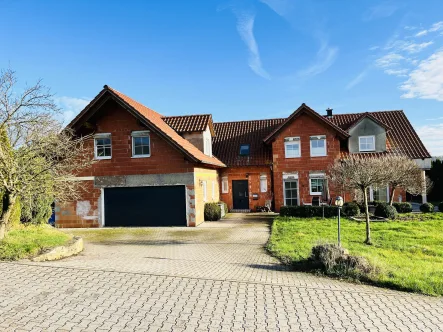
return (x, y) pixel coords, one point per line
(145, 206)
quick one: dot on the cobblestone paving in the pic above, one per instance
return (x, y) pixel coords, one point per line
(213, 278)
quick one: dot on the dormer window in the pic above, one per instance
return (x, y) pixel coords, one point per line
(366, 143)
(244, 149)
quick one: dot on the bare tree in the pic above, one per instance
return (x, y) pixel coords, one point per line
(403, 173)
(36, 154)
(360, 173)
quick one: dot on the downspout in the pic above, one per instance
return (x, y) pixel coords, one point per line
(272, 188)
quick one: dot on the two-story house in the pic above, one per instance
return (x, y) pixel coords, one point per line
(153, 170)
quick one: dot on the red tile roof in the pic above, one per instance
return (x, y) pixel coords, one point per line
(230, 135)
(401, 137)
(155, 120)
(190, 123)
(305, 109)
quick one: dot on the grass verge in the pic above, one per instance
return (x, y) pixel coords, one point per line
(408, 255)
(28, 241)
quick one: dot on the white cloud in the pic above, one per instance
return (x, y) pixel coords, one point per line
(426, 81)
(356, 80)
(436, 26)
(326, 56)
(397, 72)
(389, 60)
(71, 106)
(245, 28)
(374, 48)
(432, 137)
(415, 48)
(421, 33)
(281, 7)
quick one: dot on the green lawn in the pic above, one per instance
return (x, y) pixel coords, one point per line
(408, 254)
(27, 241)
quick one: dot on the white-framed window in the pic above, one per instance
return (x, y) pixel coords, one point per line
(207, 148)
(291, 192)
(318, 146)
(213, 190)
(290, 189)
(141, 144)
(225, 186)
(263, 183)
(102, 146)
(379, 194)
(292, 147)
(205, 191)
(366, 143)
(316, 185)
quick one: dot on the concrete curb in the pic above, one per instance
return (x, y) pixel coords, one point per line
(72, 248)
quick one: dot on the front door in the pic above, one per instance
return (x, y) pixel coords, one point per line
(240, 194)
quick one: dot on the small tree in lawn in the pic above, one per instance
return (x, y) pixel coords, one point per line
(360, 173)
(36, 155)
(403, 173)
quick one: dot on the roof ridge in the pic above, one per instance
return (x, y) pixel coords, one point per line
(369, 112)
(178, 116)
(256, 120)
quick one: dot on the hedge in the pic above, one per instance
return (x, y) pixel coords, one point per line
(403, 207)
(351, 209)
(427, 208)
(212, 212)
(307, 211)
(386, 211)
(440, 207)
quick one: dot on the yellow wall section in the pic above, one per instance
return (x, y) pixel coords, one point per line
(210, 176)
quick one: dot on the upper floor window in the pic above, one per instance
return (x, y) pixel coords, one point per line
(244, 149)
(102, 146)
(141, 144)
(366, 143)
(292, 147)
(318, 146)
(207, 148)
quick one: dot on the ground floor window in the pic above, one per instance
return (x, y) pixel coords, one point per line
(291, 192)
(380, 194)
(316, 186)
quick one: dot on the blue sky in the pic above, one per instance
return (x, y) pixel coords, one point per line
(238, 60)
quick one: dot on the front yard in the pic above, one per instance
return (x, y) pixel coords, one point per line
(407, 254)
(28, 241)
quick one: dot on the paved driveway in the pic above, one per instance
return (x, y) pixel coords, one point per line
(216, 277)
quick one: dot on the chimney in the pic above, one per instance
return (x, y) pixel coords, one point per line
(329, 112)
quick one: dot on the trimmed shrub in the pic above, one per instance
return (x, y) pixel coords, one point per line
(440, 207)
(385, 211)
(336, 261)
(212, 212)
(403, 207)
(351, 209)
(307, 211)
(427, 208)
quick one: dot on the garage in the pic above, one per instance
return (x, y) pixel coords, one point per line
(145, 206)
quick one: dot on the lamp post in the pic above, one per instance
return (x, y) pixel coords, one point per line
(339, 204)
